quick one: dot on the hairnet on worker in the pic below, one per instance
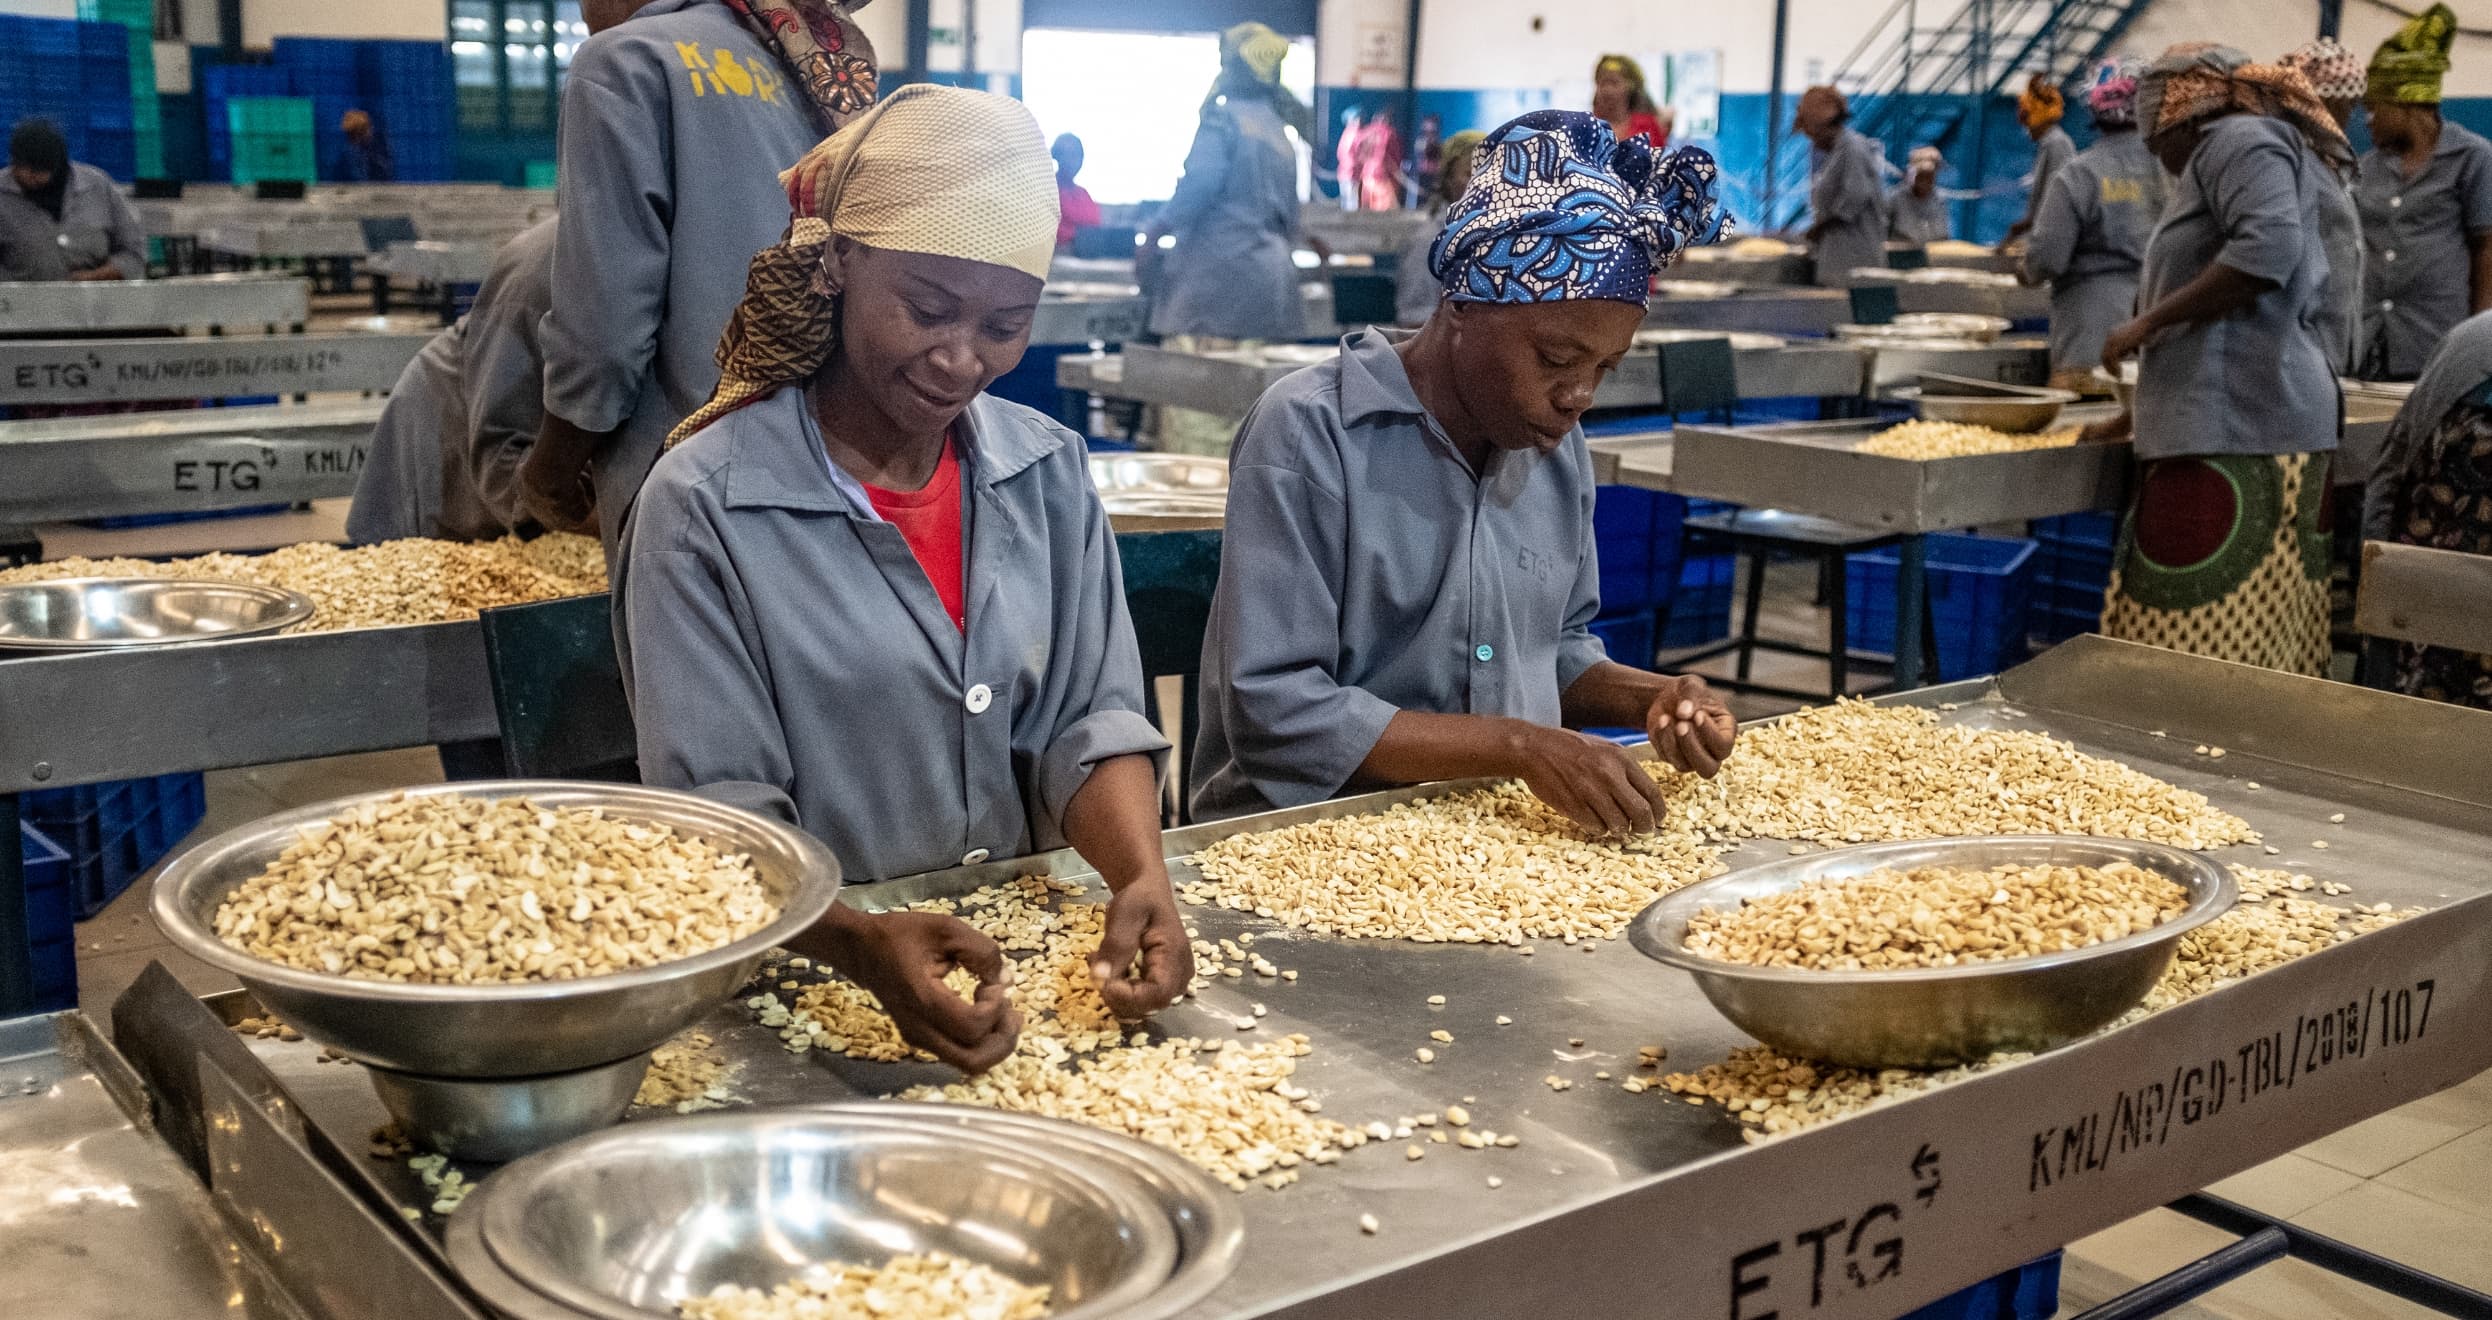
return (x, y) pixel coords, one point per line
(1560, 209)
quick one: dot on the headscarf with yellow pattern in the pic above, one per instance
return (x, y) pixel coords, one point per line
(1639, 92)
(2408, 67)
(1251, 56)
(931, 169)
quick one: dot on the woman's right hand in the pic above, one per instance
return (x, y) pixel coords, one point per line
(903, 957)
(555, 493)
(2124, 342)
(1596, 784)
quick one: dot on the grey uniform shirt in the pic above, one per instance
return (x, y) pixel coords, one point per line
(784, 651)
(2417, 274)
(1366, 570)
(1917, 219)
(2088, 243)
(445, 454)
(1235, 219)
(1847, 203)
(2340, 232)
(675, 125)
(2051, 154)
(2256, 381)
(96, 228)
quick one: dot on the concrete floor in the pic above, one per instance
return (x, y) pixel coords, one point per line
(2414, 1184)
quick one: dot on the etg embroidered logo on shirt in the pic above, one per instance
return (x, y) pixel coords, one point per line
(720, 73)
(1535, 565)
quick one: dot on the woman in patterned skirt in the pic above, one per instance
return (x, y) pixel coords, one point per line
(2225, 549)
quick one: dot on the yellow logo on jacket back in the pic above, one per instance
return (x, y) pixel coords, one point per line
(720, 73)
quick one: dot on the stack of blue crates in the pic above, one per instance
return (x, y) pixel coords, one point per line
(1980, 592)
(114, 831)
(104, 91)
(51, 952)
(218, 85)
(75, 74)
(1700, 609)
(407, 84)
(322, 69)
(2071, 569)
(1636, 533)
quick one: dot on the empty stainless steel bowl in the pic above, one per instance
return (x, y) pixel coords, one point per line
(86, 614)
(1939, 1016)
(626, 1223)
(521, 1029)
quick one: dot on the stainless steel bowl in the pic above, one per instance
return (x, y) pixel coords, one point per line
(1159, 474)
(1741, 341)
(520, 1029)
(1939, 1016)
(503, 1118)
(86, 614)
(2038, 409)
(1953, 327)
(629, 1222)
(1667, 287)
(1211, 1230)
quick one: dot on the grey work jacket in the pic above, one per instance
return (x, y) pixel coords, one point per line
(675, 126)
(1847, 203)
(784, 651)
(2256, 381)
(2088, 243)
(1366, 570)
(96, 228)
(1235, 219)
(2418, 274)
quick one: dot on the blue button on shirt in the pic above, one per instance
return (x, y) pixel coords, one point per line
(1364, 561)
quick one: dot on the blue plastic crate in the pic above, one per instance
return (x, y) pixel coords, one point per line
(51, 951)
(114, 831)
(1980, 592)
(1700, 610)
(2097, 529)
(1628, 638)
(2028, 1292)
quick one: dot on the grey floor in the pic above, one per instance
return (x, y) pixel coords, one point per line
(2414, 1184)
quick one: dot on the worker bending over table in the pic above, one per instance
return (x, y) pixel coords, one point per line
(863, 596)
(1409, 570)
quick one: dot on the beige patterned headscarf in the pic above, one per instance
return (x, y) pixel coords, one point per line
(938, 170)
(2201, 80)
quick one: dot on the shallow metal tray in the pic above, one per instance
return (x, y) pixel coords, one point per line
(1815, 468)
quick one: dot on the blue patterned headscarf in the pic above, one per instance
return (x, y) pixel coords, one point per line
(1559, 209)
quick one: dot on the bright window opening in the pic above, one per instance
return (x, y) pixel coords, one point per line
(1133, 99)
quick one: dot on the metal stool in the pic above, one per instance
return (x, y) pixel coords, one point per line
(1754, 535)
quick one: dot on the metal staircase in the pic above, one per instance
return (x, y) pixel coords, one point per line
(1912, 85)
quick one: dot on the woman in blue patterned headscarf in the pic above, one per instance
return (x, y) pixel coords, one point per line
(1410, 576)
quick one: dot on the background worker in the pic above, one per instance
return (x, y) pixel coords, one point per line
(1416, 289)
(2336, 77)
(363, 157)
(1079, 210)
(677, 117)
(1410, 570)
(2089, 234)
(2040, 109)
(2433, 488)
(1846, 189)
(1231, 281)
(2425, 192)
(863, 596)
(1622, 100)
(62, 219)
(1917, 212)
(2224, 552)
(446, 453)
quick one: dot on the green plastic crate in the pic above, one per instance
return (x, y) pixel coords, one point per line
(258, 156)
(269, 116)
(137, 14)
(539, 174)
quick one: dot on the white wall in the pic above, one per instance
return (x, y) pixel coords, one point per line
(265, 20)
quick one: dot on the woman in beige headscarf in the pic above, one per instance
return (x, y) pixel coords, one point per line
(862, 595)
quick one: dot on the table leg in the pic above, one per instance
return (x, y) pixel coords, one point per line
(1911, 604)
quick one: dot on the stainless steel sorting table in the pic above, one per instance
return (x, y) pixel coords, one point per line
(1765, 310)
(1084, 320)
(435, 261)
(1793, 269)
(2016, 302)
(2418, 594)
(1814, 468)
(296, 240)
(70, 307)
(1809, 369)
(1638, 1205)
(181, 462)
(148, 370)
